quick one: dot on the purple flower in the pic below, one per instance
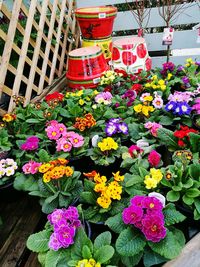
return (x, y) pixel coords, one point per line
(123, 128)
(197, 63)
(180, 68)
(54, 243)
(152, 204)
(132, 214)
(71, 213)
(153, 227)
(168, 66)
(56, 216)
(66, 236)
(185, 80)
(111, 128)
(115, 120)
(182, 108)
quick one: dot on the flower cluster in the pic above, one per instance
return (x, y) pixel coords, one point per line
(64, 222)
(88, 263)
(32, 143)
(31, 167)
(153, 127)
(116, 125)
(83, 123)
(157, 84)
(65, 140)
(145, 108)
(7, 167)
(154, 177)
(135, 151)
(183, 154)
(129, 95)
(55, 169)
(104, 98)
(167, 68)
(109, 191)
(183, 135)
(109, 77)
(145, 213)
(107, 144)
(178, 103)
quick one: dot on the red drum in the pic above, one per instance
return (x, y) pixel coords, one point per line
(131, 55)
(85, 67)
(96, 22)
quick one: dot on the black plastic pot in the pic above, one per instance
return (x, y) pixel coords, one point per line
(8, 193)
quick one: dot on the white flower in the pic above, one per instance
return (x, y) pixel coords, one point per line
(10, 161)
(95, 140)
(159, 197)
(9, 171)
(2, 172)
(141, 143)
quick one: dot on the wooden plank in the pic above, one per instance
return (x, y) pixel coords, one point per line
(32, 261)
(15, 244)
(8, 45)
(70, 7)
(190, 255)
(48, 46)
(59, 31)
(36, 51)
(23, 54)
(182, 39)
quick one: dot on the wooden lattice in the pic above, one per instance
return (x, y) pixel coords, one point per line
(34, 43)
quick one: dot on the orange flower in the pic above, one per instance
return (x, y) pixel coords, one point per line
(58, 172)
(90, 175)
(68, 171)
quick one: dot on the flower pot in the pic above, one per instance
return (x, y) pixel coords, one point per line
(85, 67)
(131, 55)
(104, 44)
(96, 22)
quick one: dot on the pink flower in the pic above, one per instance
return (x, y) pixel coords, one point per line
(132, 214)
(77, 140)
(63, 145)
(153, 227)
(134, 151)
(54, 243)
(53, 132)
(31, 167)
(154, 158)
(32, 143)
(152, 204)
(153, 127)
(62, 128)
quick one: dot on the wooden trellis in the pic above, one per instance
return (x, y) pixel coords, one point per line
(34, 43)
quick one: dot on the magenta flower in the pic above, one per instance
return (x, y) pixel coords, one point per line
(71, 213)
(66, 236)
(135, 151)
(154, 158)
(32, 143)
(132, 214)
(138, 201)
(54, 243)
(153, 227)
(56, 216)
(31, 167)
(152, 204)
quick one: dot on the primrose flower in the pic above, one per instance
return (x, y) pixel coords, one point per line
(132, 214)
(104, 97)
(31, 167)
(32, 143)
(153, 127)
(158, 102)
(76, 140)
(154, 158)
(107, 144)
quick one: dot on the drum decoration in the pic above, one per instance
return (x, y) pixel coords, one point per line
(131, 55)
(85, 67)
(104, 44)
(96, 22)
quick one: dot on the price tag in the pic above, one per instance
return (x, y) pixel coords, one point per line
(102, 15)
(97, 80)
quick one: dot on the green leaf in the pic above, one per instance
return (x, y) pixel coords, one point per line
(86, 252)
(167, 137)
(57, 258)
(173, 196)
(102, 240)
(115, 223)
(189, 183)
(171, 215)
(33, 121)
(131, 179)
(130, 242)
(169, 247)
(197, 204)
(194, 171)
(165, 120)
(193, 192)
(43, 155)
(104, 254)
(132, 261)
(152, 258)
(196, 215)
(188, 200)
(88, 197)
(42, 258)
(195, 142)
(39, 242)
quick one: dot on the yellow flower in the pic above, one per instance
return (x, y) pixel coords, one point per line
(45, 167)
(69, 171)
(82, 263)
(79, 93)
(163, 87)
(114, 190)
(118, 177)
(100, 179)
(169, 75)
(107, 144)
(104, 201)
(156, 174)
(161, 82)
(150, 182)
(155, 77)
(154, 86)
(148, 98)
(99, 188)
(47, 177)
(95, 92)
(8, 118)
(147, 85)
(147, 109)
(81, 102)
(138, 108)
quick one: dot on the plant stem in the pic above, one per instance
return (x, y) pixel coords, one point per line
(51, 188)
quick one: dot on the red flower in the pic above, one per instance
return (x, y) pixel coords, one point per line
(181, 143)
(137, 87)
(154, 158)
(128, 58)
(54, 96)
(141, 51)
(115, 54)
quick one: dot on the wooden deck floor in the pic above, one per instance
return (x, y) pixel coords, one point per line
(21, 217)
